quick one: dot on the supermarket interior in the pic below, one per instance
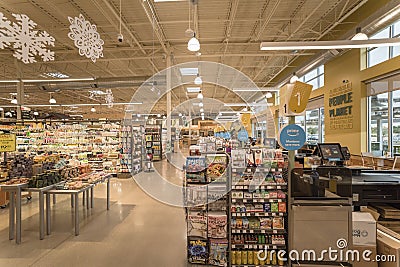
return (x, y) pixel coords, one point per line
(169, 133)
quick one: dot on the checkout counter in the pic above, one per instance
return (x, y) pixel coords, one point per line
(322, 200)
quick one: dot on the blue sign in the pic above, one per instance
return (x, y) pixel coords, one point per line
(292, 137)
(243, 136)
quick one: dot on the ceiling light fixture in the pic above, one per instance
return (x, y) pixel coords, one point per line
(180, 114)
(198, 80)
(193, 89)
(202, 110)
(193, 44)
(328, 45)
(359, 35)
(158, 115)
(58, 80)
(201, 104)
(52, 100)
(202, 114)
(14, 100)
(268, 95)
(200, 95)
(294, 78)
(93, 109)
(36, 113)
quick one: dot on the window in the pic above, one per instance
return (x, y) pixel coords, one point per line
(378, 123)
(312, 125)
(315, 77)
(378, 55)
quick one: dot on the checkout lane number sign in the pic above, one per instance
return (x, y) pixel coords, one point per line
(292, 137)
(7, 142)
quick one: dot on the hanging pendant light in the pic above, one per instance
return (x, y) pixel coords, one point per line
(359, 35)
(14, 100)
(193, 44)
(52, 100)
(198, 80)
(201, 104)
(268, 95)
(202, 110)
(200, 95)
(294, 78)
(93, 109)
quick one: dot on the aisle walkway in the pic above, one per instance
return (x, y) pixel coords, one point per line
(136, 231)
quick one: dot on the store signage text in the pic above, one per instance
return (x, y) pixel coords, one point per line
(339, 101)
(7, 142)
(341, 107)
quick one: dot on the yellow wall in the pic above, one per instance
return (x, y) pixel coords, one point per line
(351, 66)
(346, 67)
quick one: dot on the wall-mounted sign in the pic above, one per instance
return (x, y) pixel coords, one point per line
(7, 142)
(341, 107)
(292, 137)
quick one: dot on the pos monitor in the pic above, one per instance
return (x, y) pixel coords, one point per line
(331, 152)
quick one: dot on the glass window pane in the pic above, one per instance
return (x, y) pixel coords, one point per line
(396, 51)
(396, 28)
(382, 34)
(312, 122)
(314, 83)
(378, 114)
(378, 55)
(321, 69)
(311, 75)
(322, 80)
(396, 122)
(299, 120)
(322, 121)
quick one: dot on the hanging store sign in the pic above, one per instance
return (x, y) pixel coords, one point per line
(243, 136)
(341, 107)
(292, 137)
(7, 142)
(245, 118)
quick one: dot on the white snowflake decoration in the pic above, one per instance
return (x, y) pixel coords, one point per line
(86, 38)
(27, 42)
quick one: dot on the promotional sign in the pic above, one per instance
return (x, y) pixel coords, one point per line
(292, 137)
(243, 136)
(7, 142)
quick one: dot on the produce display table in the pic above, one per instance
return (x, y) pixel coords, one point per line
(75, 195)
(41, 192)
(75, 200)
(14, 223)
(15, 191)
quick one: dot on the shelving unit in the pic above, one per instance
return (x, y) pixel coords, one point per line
(207, 212)
(153, 139)
(258, 207)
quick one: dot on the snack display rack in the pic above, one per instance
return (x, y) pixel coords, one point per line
(153, 141)
(207, 216)
(258, 207)
(131, 149)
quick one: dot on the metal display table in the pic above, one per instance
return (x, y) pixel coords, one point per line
(14, 223)
(75, 200)
(75, 195)
(41, 192)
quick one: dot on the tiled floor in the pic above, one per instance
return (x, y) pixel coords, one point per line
(136, 231)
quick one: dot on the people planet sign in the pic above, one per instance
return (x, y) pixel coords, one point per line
(292, 137)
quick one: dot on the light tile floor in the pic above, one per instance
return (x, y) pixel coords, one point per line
(136, 231)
